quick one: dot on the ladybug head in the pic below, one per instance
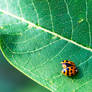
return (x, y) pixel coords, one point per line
(67, 63)
(64, 65)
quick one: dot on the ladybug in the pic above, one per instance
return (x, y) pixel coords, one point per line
(69, 68)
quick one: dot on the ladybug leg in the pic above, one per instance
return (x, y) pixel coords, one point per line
(76, 70)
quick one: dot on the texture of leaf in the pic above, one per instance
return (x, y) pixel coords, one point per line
(36, 35)
(11, 80)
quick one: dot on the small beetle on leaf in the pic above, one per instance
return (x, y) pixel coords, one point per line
(69, 68)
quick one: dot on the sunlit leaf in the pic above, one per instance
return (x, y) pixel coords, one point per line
(36, 35)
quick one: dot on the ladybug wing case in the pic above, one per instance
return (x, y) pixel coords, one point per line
(69, 71)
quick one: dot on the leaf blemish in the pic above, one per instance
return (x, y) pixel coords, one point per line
(30, 26)
(51, 82)
(1, 27)
(54, 37)
(81, 20)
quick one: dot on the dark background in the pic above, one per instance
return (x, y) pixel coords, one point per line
(11, 80)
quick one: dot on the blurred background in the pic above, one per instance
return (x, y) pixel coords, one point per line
(11, 80)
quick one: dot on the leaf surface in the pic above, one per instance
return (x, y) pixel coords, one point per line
(36, 35)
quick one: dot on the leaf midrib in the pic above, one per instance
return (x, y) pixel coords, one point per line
(45, 30)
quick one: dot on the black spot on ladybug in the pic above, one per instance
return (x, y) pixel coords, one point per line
(71, 74)
(64, 71)
(68, 65)
(69, 68)
(67, 72)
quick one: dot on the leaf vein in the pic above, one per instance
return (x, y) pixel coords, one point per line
(29, 50)
(35, 11)
(68, 12)
(88, 23)
(20, 8)
(51, 15)
(85, 61)
(48, 31)
(46, 61)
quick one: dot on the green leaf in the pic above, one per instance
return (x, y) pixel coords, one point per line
(12, 80)
(36, 35)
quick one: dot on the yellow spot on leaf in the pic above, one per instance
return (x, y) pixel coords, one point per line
(20, 34)
(1, 27)
(74, 90)
(51, 82)
(81, 20)
(54, 37)
(30, 26)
